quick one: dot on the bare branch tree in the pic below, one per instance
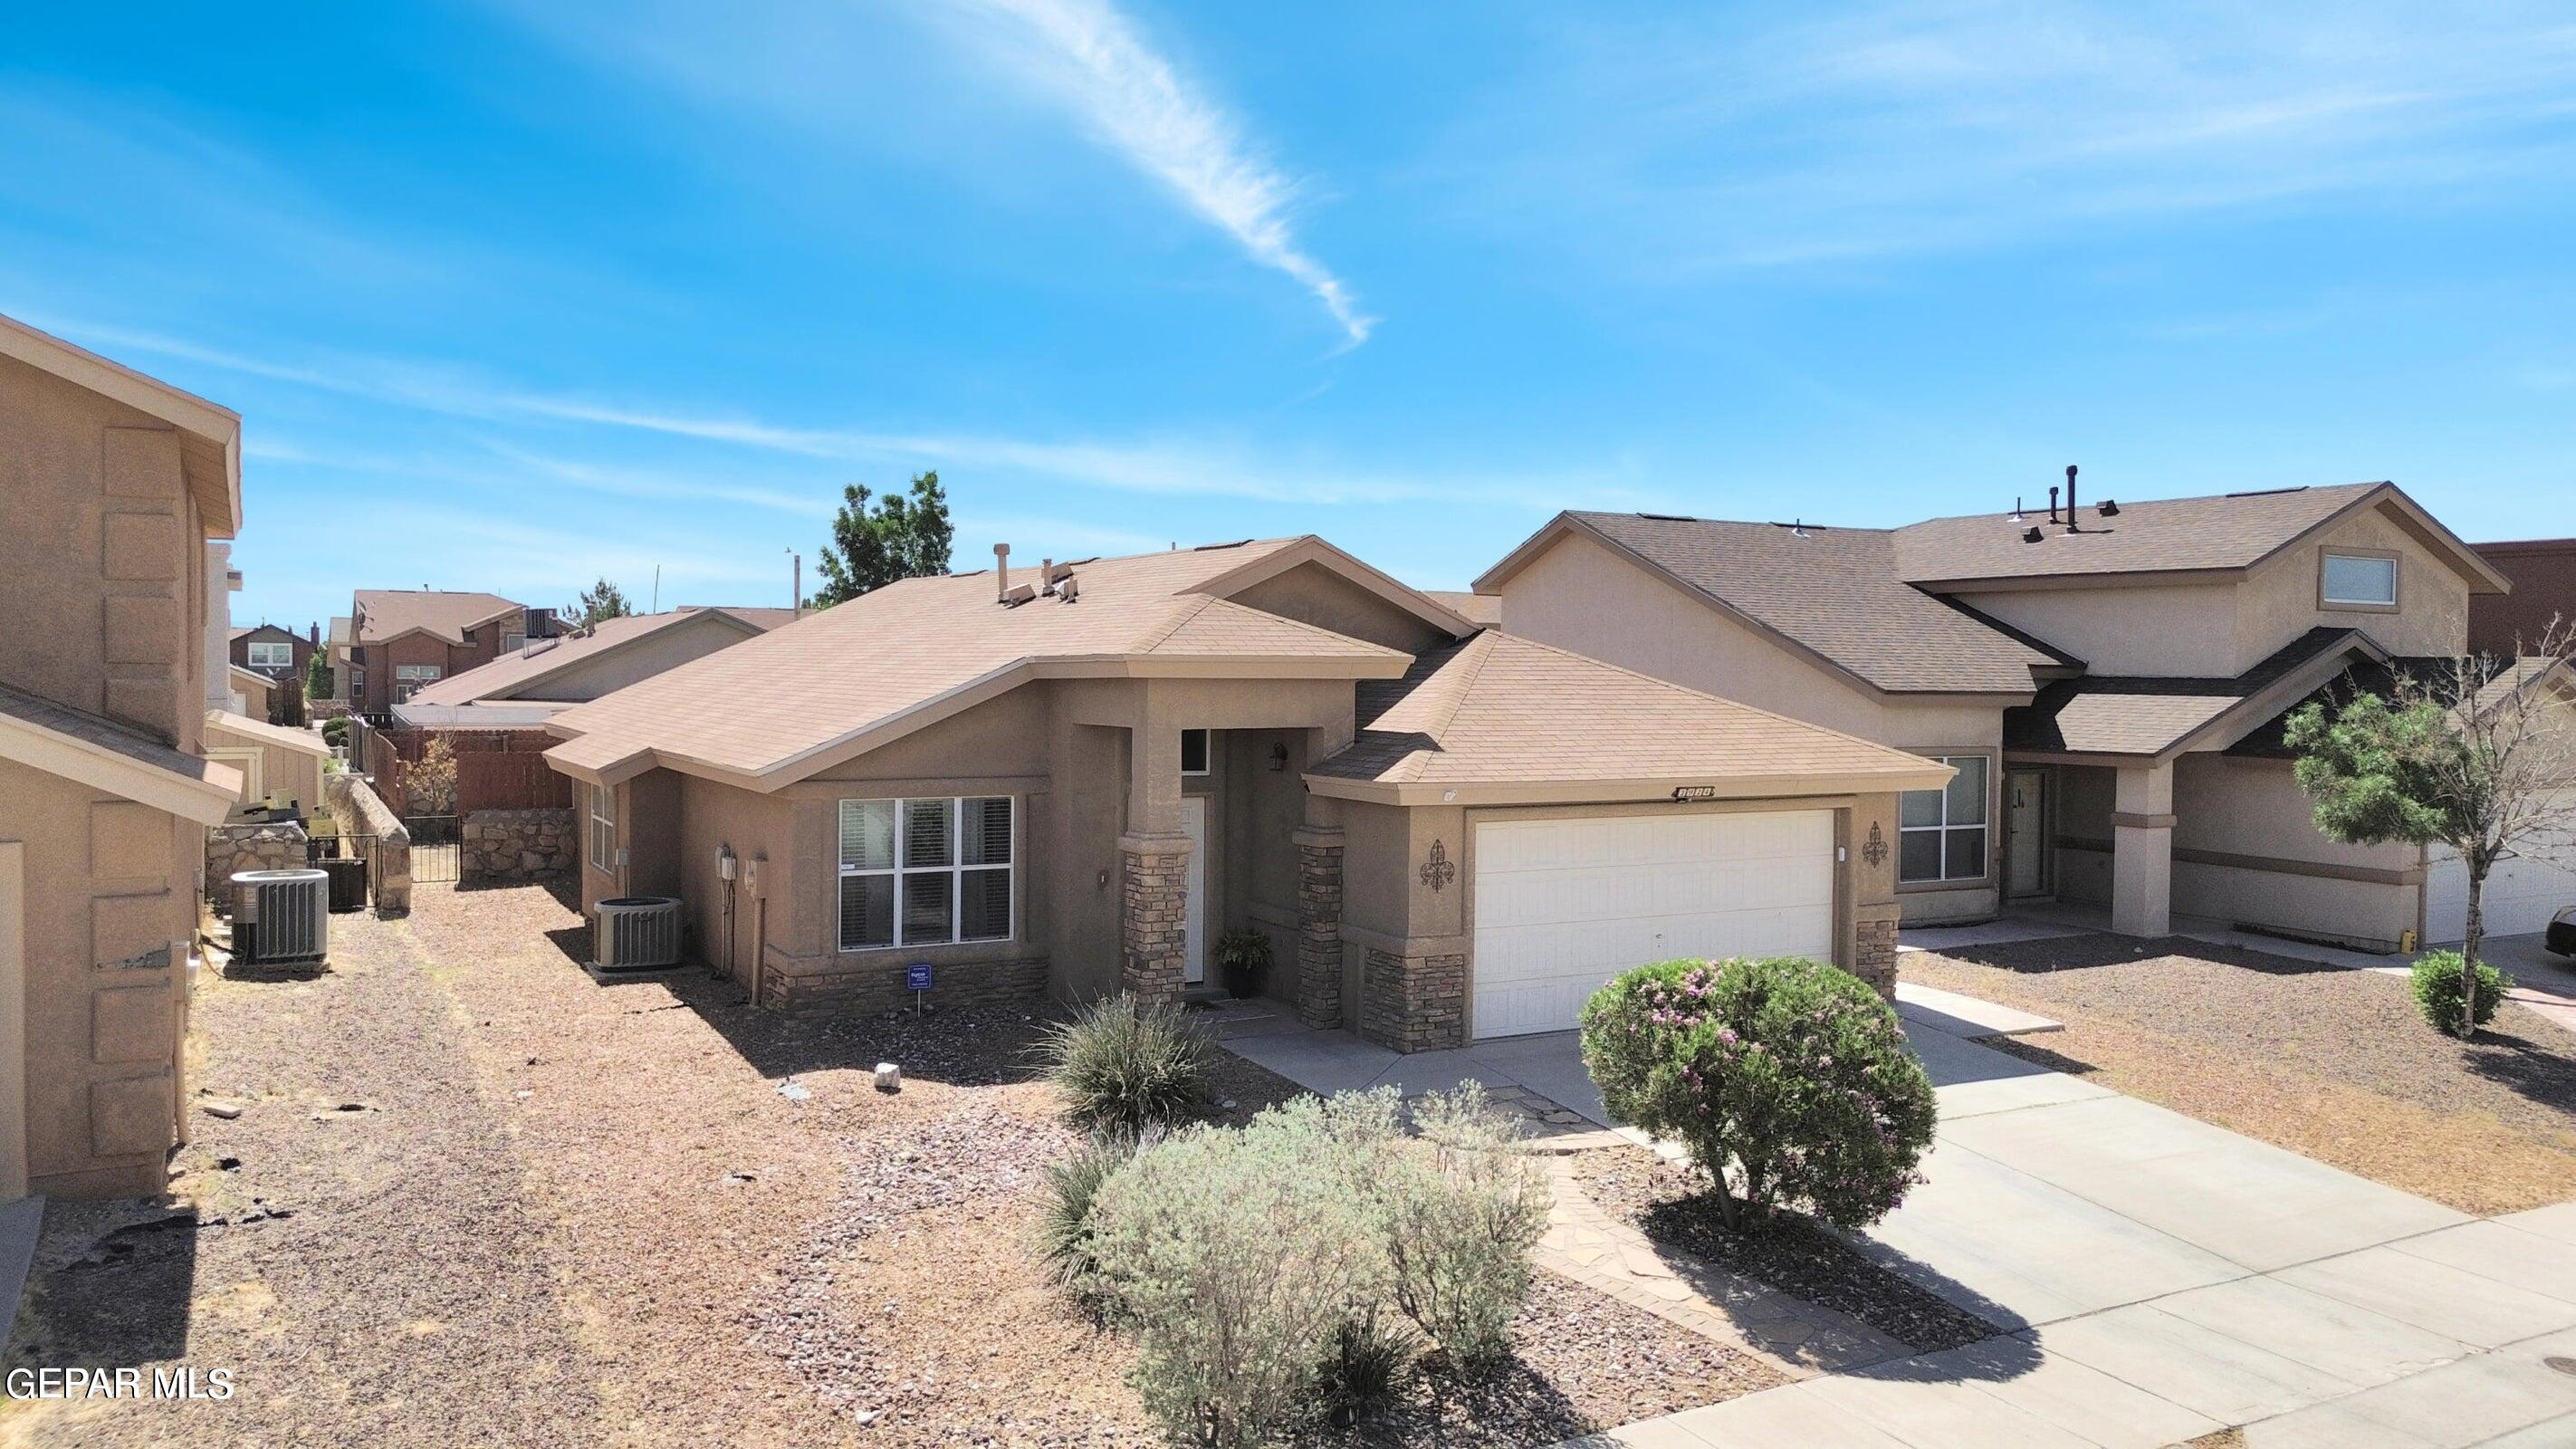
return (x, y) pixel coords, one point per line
(2476, 753)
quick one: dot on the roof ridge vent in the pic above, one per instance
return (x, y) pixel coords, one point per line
(1800, 527)
(1019, 594)
(2267, 492)
(1669, 517)
(1213, 547)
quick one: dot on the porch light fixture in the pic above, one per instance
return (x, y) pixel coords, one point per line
(1683, 794)
(1279, 759)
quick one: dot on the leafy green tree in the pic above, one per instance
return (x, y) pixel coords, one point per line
(317, 676)
(602, 600)
(904, 536)
(2476, 754)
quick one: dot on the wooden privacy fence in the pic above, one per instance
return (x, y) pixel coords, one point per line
(495, 769)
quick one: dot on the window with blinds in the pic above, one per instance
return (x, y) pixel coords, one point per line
(926, 872)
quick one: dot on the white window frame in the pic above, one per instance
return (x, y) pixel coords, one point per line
(956, 870)
(603, 828)
(1946, 827)
(271, 654)
(2325, 567)
(1207, 753)
(411, 679)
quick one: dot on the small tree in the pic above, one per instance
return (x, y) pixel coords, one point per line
(902, 537)
(2474, 753)
(602, 600)
(430, 782)
(317, 677)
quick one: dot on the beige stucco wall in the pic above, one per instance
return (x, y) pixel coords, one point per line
(663, 649)
(2081, 832)
(1313, 594)
(109, 902)
(2278, 601)
(2235, 816)
(2176, 630)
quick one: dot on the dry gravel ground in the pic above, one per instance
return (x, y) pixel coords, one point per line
(2337, 1065)
(1793, 1254)
(647, 1214)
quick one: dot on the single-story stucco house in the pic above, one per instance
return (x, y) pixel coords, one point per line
(543, 676)
(1068, 781)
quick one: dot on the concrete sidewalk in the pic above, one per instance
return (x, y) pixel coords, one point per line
(2159, 1278)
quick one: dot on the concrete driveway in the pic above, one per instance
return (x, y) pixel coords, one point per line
(2159, 1278)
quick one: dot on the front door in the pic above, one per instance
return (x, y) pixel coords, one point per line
(1194, 914)
(2025, 832)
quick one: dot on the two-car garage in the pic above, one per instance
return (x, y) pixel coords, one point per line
(1561, 905)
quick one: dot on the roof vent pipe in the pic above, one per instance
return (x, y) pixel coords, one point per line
(2016, 513)
(1046, 576)
(2052, 505)
(1070, 589)
(1002, 572)
(2071, 525)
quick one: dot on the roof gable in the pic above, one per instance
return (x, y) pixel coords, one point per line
(516, 675)
(210, 450)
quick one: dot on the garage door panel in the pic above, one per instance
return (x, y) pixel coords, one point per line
(2521, 894)
(1562, 906)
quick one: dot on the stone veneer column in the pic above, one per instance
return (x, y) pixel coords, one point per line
(1153, 921)
(1319, 925)
(1413, 1003)
(1874, 947)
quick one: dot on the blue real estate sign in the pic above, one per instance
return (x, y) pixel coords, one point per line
(916, 977)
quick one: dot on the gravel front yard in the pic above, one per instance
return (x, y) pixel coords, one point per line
(646, 1214)
(2337, 1065)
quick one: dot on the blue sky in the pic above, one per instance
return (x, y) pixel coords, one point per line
(511, 296)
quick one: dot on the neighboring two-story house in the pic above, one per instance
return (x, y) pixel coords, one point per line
(277, 652)
(114, 483)
(401, 641)
(2107, 681)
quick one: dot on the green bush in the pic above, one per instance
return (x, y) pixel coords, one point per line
(1262, 1269)
(1064, 1216)
(2436, 978)
(1235, 1261)
(1788, 1082)
(1463, 1208)
(336, 729)
(1128, 1068)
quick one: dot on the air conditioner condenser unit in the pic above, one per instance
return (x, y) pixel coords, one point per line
(281, 917)
(636, 933)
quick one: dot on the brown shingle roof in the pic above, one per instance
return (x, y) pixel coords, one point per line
(768, 704)
(1838, 592)
(516, 673)
(2138, 715)
(391, 612)
(2162, 535)
(1500, 710)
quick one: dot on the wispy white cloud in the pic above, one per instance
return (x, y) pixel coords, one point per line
(1093, 60)
(1174, 467)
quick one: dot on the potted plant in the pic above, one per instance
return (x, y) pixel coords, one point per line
(1244, 956)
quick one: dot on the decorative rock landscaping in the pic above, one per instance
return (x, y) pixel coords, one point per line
(231, 848)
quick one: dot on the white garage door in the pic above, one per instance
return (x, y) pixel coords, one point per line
(1564, 905)
(2521, 894)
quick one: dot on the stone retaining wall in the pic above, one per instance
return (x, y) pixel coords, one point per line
(231, 848)
(516, 845)
(380, 838)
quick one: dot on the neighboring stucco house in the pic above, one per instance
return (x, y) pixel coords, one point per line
(401, 641)
(2091, 674)
(252, 693)
(2543, 571)
(1069, 781)
(114, 484)
(276, 652)
(545, 676)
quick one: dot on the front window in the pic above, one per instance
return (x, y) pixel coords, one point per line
(603, 827)
(513, 643)
(1942, 833)
(925, 872)
(410, 679)
(271, 654)
(2364, 580)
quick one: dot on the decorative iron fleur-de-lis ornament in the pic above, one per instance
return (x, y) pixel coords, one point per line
(1874, 850)
(1437, 872)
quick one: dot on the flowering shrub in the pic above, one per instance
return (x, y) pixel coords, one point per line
(1788, 1082)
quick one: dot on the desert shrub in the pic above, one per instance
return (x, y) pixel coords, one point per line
(2436, 978)
(336, 729)
(1236, 1256)
(1065, 1227)
(1128, 1068)
(1787, 1081)
(1462, 1208)
(430, 781)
